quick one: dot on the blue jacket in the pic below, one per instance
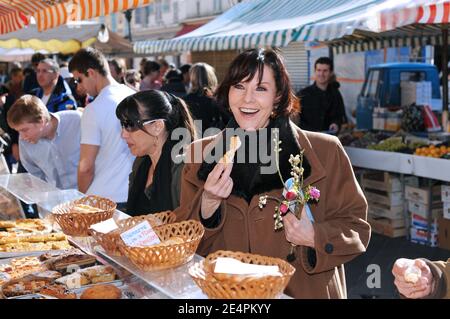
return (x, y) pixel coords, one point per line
(61, 98)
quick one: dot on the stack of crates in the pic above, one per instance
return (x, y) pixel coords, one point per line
(419, 203)
(444, 221)
(384, 194)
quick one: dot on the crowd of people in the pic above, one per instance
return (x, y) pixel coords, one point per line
(153, 140)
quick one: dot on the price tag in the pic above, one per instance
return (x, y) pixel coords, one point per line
(141, 235)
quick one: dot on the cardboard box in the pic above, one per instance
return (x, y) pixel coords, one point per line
(422, 209)
(422, 195)
(444, 233)
(420, 236)
(385, 198)
(446, 210)
(422, 223)
(445, 193)
(387, 227)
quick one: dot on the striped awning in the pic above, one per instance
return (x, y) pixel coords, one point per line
(411, 23)
(15, 14)
(254, 23)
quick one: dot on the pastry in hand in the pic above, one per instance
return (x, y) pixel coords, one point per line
(235, 143)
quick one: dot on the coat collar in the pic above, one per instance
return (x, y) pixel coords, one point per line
(293, 139)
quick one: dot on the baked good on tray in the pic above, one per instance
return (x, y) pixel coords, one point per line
(58, 291)
(104, 291)
(85, 209)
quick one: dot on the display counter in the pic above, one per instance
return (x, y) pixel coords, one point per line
(169, 283)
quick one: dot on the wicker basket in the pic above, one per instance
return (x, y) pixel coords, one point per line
(110, 241)
(228, 287)
(77, 224)
(172, 255)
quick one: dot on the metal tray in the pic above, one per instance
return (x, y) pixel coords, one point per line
(175, 283)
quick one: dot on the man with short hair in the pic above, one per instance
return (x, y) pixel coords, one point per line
(53, 90)
(49, 143)
(322, 106)
(105, 159)
(30, 81)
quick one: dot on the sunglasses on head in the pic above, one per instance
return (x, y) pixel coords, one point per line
(133, 126)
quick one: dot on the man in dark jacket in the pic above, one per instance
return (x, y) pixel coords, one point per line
(322, 106)
(30, 83)
(53, 90)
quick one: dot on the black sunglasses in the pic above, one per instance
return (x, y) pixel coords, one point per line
(133, 126)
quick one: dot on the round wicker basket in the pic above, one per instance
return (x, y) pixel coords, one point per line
(110, 241)
(236, 287)
(170, 255)
(77, 224)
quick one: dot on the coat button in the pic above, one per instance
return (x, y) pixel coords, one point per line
(329, 248)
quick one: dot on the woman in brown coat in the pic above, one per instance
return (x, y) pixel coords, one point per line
(225, 196)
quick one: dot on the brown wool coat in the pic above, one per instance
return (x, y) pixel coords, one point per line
(341, 230)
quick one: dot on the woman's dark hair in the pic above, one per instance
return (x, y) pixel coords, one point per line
(250, 62)
(151, 66)
(89, 58)
(153, 105)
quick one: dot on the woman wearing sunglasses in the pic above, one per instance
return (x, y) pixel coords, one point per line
(148, 119)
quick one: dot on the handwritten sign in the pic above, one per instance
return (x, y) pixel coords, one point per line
(141, 235)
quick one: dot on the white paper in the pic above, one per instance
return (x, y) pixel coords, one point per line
(141, 235)
(227, 265)
(105, 226)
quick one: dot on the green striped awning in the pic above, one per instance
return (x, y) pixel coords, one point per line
(255, 23)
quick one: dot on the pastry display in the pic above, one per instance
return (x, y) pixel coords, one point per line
(90, 275)
(67, 260)
(24, 286)
(102, 292)
(24, 226)
(20, 267)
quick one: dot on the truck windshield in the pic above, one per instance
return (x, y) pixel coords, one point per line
(412, 76)
(371, 87)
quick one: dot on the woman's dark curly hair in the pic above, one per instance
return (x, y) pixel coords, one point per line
(251, 62)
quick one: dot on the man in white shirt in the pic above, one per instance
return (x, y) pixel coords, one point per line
(49, 143)
(105, 160)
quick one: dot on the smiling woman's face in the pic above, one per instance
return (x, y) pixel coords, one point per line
(251, 102)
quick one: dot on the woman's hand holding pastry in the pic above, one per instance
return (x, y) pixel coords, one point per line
(218, 186)
(299, 231)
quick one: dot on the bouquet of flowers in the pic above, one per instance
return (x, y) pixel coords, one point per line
(295, 195)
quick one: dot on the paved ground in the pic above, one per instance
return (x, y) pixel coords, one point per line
(383, 251)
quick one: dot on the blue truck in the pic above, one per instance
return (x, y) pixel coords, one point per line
(382, 88)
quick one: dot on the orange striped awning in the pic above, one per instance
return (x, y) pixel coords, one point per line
(15, 14)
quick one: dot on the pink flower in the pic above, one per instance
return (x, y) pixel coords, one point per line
(291, 195)
(314, 193)
(283, 208)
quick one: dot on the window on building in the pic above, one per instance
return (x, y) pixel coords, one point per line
(158, 12)
(217, 6)
(138, 14)
(166, 6)
(175, 12)
(148, 12)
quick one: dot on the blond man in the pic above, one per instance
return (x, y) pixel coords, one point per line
(49, 143)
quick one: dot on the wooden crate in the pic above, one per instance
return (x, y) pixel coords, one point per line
(386, 211)
(421, 194)
(389, 199)
(386, 181)
(387, 227)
